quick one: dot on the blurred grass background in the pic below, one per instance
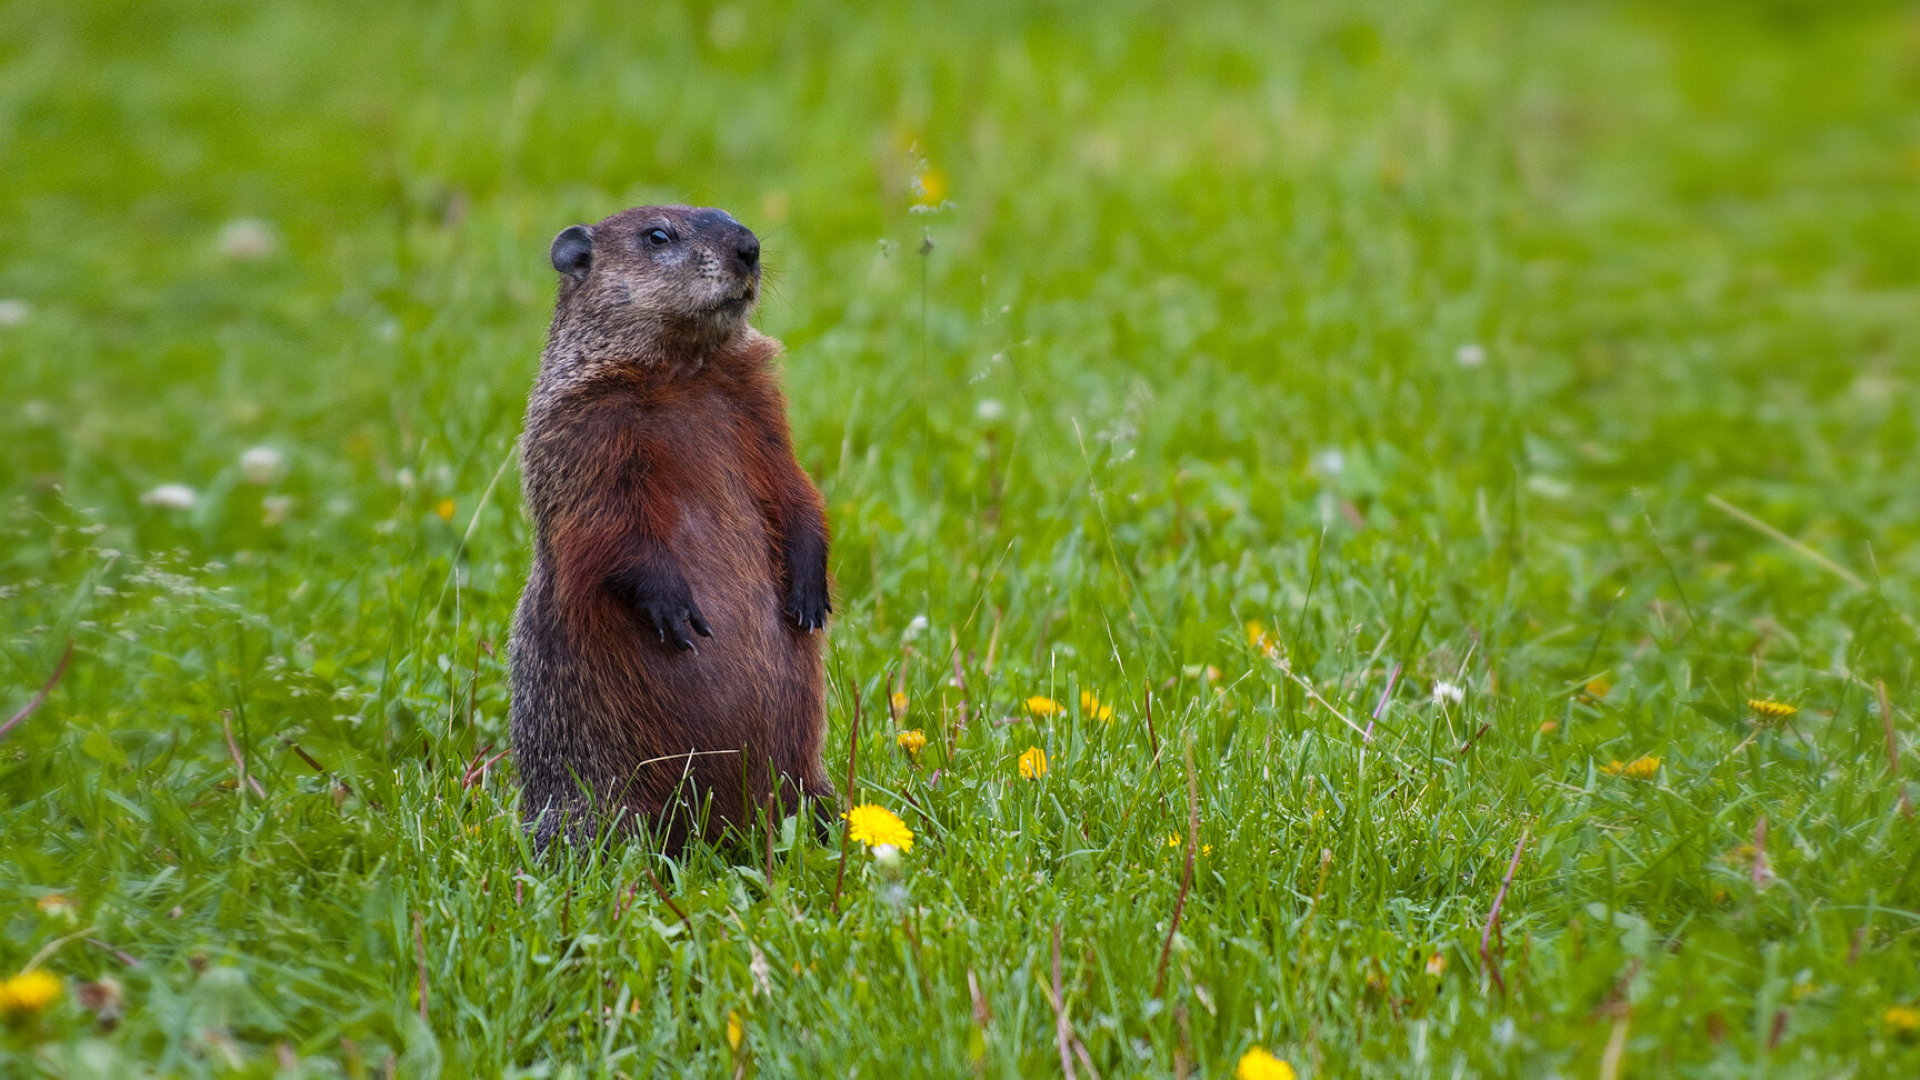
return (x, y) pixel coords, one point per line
(1434, 338)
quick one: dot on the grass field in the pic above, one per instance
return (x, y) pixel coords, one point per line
(1532, 385)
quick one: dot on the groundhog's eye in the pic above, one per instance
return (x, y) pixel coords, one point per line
(659, 237)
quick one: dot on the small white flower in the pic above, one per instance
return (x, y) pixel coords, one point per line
(1444, 692)
(1470, 355)
(262, 465)
(14, 312)
(404, 478)
(1330, 462)
(248, 240)
(916, 627)
(990, 409)
(171, 497)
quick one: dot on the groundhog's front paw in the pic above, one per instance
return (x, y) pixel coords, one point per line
(671, 614)
(808, 604)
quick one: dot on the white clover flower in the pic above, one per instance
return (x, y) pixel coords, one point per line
(262, 465)
(990, 409)
(1444, 692)
(14, 312)
(1471, 354)
(171, 497)
(248, 240)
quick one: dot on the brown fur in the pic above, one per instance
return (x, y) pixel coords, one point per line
(667, 504)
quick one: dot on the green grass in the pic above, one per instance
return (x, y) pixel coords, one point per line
(1217, 267)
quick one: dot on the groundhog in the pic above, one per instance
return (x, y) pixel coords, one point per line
(665, 658)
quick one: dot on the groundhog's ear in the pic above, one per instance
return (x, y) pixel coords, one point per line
(573, 251)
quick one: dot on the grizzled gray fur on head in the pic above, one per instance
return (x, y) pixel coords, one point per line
(654, 284)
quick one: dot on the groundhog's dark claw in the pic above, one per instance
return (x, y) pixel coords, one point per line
(809, 606)
(664, 603)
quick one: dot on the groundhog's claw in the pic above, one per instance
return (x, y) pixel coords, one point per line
(670, 618)
(809, 607)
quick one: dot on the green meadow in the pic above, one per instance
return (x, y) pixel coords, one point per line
(1434, 483)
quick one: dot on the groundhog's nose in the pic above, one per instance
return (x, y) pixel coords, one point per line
(748, 249)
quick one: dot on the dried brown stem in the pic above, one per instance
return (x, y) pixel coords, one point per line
(1488, 962)
(1474, 738)
(1893, 746)
(239, 759)
(40, 698)
(1153, 739)
(853, 755)
(315, 765)
(126, 958)
(1186, 876)
(1380, 709)
(659, 890)
(477, 773)
(420, 954)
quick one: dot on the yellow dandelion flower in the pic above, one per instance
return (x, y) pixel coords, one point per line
(736, 1030)
(1902, 1019)
(1042, 707)
(1257, 638)
(1090, 705)
(929, 187)
(897, 702)
(1771, 710)
(1638, 769)
(444, 510)
(1033, 763)
(1436, 964)
(876, 825)
(29, 992)
(1257, 1064)
(912, 741)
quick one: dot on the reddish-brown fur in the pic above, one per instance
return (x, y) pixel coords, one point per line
(661, 477)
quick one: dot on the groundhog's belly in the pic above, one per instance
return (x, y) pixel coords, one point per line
(730, 690)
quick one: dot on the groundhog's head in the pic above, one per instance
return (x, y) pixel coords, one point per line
(658, 277)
